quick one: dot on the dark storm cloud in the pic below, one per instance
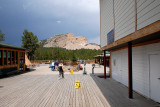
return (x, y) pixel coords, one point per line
(46, 18)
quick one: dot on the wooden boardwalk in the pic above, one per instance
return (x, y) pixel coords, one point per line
(42, 88)
(117, 94)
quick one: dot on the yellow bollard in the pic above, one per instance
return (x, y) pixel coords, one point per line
(71, 71)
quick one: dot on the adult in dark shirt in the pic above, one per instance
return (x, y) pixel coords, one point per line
(56, 64)
(61, 72)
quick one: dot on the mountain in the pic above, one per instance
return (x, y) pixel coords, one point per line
(69, 41)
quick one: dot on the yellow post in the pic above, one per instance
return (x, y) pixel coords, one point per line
(71, 71)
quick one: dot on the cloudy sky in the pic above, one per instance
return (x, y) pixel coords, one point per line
(46, 18)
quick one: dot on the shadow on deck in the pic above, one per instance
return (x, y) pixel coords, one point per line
(15, 73)
(117, 94)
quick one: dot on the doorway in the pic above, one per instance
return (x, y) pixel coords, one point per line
(154, 66)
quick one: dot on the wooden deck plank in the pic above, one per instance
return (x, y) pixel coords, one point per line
(85, 95)
(11, 97)
(70, 87)
(88, 100)
(94, 90)
(55, 93)
(71, 96)
(42, 88)
(90, 93)
(34, 94)
(117, 94)
(42, 100)
(56, 97)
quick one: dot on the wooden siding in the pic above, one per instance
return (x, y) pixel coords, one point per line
(140, 71)
(8, 66)
(124, 18)
(106, 17)
(140, 63)
(141, 67)
(148, 12)
(148, 30)
(11, 64)
(120, 69)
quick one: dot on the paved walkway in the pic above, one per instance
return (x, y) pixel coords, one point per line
(42, 87)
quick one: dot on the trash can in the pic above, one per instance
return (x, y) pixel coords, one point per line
(52, 68)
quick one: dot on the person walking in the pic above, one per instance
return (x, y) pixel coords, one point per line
(61, 71)
(52, 67)
(56, 64)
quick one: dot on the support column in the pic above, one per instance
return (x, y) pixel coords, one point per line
(24, 66)
(104, 60)
(130, 90)
(18, 61)
(14, 57)
(110, 65)
(11, 57)
(2, 57)
(7, 57)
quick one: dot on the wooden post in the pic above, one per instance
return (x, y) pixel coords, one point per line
(130, 90)
(7, 56)
(104, 60)
(18, 66)
(11, 57)
(14, 57)
(2, 57)
(110, 65)
(24, 67)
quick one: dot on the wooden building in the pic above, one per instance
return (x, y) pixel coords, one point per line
(100, 59)
(130, 30)
(11, 58)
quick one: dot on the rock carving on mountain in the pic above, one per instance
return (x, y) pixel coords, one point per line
(69, 41)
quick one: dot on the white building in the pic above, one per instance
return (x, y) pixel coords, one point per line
(130, 30)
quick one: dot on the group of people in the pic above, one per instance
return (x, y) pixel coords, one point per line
(59, 67)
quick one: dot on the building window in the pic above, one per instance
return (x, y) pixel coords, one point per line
(0, 57)
(9, 57)
(21, 59)
(13, 57)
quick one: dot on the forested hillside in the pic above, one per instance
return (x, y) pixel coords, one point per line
(63, 54)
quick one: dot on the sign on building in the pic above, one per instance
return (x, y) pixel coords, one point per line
(110, 37)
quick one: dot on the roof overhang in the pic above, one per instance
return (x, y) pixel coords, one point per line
(4, 45)
(148, 33)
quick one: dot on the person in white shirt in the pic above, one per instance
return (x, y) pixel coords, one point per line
(52, 66)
